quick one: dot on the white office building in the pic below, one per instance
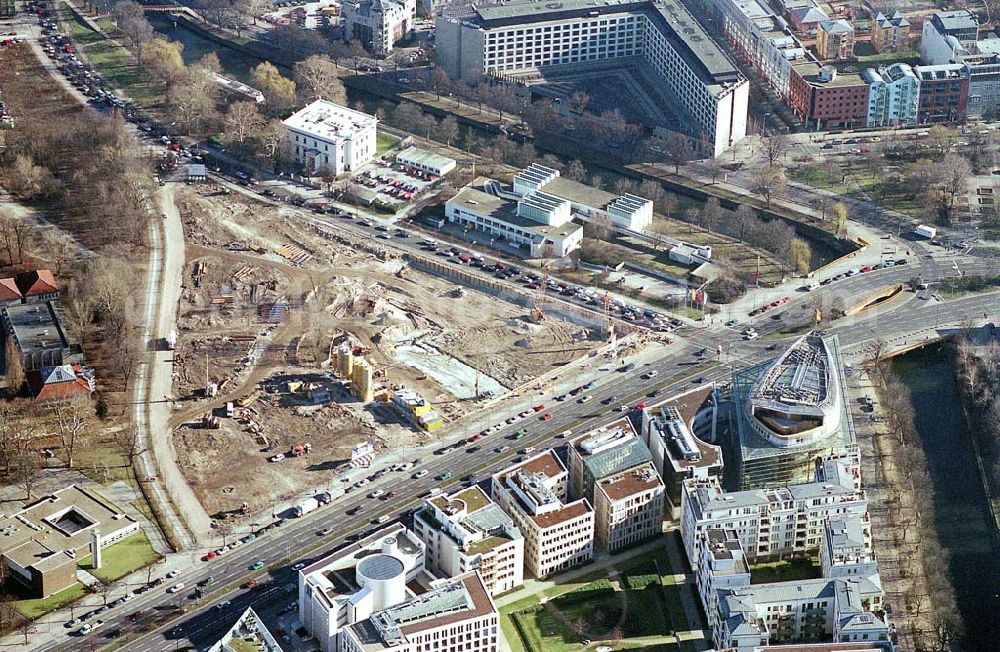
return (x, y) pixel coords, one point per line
(359, 579)
(893, 95)
(558, 534)
(466, 531)
(454, 616)
(538, 223)
(326, 138)
(525, 36)
(774, 522)
(378, 24)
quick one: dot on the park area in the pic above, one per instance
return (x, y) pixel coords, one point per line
(635, 604)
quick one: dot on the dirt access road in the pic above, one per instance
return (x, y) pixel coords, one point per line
(153, 387)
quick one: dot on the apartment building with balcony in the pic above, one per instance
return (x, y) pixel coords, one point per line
(890, 33)
(743, 617)
(893, 96)
(465, 531)
(558, 532)
(835, 40)
(775, 522)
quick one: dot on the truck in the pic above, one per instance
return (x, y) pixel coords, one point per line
(306, 506)
(171, 340)
(925, 231)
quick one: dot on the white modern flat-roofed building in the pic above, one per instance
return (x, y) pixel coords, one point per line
(424, 161)
(357, 580)
(328, 138)
(539, 223)
(248, 632)
(534, 35)
(457, 615)
(557, 534)
(772, 522)
(466, 531)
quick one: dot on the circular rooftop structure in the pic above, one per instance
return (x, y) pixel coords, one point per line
(380, 567)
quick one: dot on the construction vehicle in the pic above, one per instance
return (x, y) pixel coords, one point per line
(210, 422)
(245, 508)
(171, 340)
(300, 449)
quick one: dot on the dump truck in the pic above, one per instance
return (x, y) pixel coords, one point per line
(171, 340)
(306, 506)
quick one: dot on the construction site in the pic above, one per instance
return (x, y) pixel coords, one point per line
(298, 344)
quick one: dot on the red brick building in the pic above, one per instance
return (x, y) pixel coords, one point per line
(944, 92)
(825, 99)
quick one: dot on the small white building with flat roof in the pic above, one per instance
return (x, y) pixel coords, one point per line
(326, 138)
(424, 161)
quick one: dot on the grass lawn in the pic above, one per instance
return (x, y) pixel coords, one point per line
(384, 142)
(785, 571)
(672, 267)
(123, 557)
(40, 606)
(637, 600)
(114, 62)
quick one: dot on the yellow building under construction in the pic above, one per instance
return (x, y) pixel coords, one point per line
(419, 410)
(356, 369)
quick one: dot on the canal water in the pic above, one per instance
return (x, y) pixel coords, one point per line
(960, 504)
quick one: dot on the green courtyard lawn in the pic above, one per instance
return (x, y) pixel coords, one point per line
(120, 559)
(633, 602)
(41, 606)
(803, 568)
(384, 142)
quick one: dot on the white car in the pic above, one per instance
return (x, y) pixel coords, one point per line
(362, 482)
(299, 566)
(223, 604)
(276, 458)
(421, 473)
(585, 399)
(652, 373)
(752, 336)
(378, 493)
(173, 573)
(176, 587)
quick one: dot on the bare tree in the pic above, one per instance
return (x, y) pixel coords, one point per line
(72, 419)
(15, 367)
(775, 148)
(742, 219)
(242, 121)
(711, 213)
(447, 130)
(316, 78)
(130, 441)
(951, 182)
(679, 151)
(131, 20)
(575, 171)
(600, 227)
(838, 217)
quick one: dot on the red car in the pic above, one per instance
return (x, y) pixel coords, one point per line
(210, 556)
(251, 584)
(547, 416)
(391, 494)
(538, 408)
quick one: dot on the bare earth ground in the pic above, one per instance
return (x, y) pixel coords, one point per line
(338, 292)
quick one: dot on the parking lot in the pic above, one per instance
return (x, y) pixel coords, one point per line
(394, 183)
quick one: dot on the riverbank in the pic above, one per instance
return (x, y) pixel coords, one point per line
(951, 505)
